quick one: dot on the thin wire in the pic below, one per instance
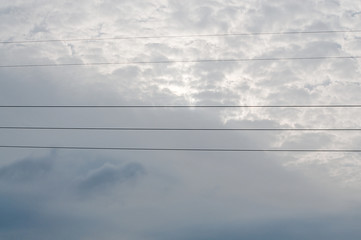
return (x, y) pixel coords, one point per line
(176, 61)
(184, 149)
(181, 36)
(185, 106)
(177, 129)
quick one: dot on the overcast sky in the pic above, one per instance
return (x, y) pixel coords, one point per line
(93, 194)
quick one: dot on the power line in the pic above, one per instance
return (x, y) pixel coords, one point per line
(176, 61)
(182, 36)
(176, 129)
(185, 106)
(184, 149)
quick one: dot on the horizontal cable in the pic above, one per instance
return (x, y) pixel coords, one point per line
(177, 129)
(176, 61)
(183, 36)
(184, 149)
(185, 106)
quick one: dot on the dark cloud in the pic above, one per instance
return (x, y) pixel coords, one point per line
(103, 178)
(23, 216)
(26, 170)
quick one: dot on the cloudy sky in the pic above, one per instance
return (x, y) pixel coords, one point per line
(135, 195)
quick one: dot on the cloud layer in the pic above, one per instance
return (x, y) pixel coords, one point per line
(179, 195)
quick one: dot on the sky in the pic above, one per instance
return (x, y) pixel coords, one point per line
(141, 195)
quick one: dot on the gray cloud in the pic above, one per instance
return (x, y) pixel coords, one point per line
(25, 170)
(107, 176)
(179, 195)
(332, 227)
